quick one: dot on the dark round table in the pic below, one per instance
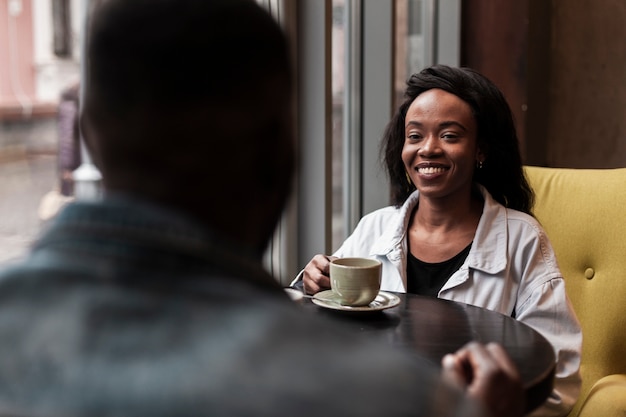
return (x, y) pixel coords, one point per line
(434, 327)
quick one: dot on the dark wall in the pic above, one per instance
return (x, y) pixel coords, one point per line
(587, 95)
(562, 66)
(494, 37)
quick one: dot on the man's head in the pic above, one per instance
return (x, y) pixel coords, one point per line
(188, 103)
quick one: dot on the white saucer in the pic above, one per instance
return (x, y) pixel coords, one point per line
(328, 299)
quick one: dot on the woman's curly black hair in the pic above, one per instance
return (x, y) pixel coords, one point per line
(502, 173)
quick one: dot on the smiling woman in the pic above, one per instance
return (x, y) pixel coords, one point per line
(500, 161)
(441, 150)
(461, 226)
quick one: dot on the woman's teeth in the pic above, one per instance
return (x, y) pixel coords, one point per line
(430, 170)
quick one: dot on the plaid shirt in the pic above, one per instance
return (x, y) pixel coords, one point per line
(125, 309)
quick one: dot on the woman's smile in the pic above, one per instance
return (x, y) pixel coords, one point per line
(441, 150)
(430, 169)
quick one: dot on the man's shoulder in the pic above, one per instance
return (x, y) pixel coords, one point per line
(240, 348)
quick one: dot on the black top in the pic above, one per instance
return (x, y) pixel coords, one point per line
(428, 278)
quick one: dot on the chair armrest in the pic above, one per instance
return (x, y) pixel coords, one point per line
(606, 398)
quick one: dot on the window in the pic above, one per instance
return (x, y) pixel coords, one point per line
(352, 59)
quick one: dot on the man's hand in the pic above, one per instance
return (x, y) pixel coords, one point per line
(487, 374)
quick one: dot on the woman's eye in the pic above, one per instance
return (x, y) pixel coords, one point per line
(449, 136)
(413, 136)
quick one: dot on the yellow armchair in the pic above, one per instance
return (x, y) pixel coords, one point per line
(584, 214)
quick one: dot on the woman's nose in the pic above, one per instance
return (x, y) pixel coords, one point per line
(429, 145)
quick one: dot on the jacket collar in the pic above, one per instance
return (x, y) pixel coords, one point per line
(394, 237)
(488, 251)
(123, 224)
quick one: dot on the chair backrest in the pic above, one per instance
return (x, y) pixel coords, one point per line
(584, 214)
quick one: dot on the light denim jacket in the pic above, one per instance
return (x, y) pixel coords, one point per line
(511, 268)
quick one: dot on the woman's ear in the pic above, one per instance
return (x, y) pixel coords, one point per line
(481, 154)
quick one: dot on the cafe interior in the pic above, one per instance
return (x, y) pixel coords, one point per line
(561, 65)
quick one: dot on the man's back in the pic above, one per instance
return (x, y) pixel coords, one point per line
(120, 310)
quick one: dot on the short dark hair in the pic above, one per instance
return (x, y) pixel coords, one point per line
(208, 49)
(502, 174)
(182, 93)
(167, 76)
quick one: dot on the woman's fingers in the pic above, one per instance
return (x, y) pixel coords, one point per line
(316, 274)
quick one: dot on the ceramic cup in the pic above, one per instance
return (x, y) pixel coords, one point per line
(355, 281)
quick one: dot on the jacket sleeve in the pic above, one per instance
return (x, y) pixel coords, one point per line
(549, 311)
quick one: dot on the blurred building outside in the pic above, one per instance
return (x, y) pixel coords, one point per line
(39, 58)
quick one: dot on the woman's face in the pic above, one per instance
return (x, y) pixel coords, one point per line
(440, 149)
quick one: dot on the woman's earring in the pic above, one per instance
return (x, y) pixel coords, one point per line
(479, 164)
(408, 180)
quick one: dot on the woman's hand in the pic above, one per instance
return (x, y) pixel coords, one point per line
(316, 274)
(488, 375)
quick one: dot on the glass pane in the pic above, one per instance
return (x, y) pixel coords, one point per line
(33, 78)
(410, 41)
(338, 117)
(427, 32)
